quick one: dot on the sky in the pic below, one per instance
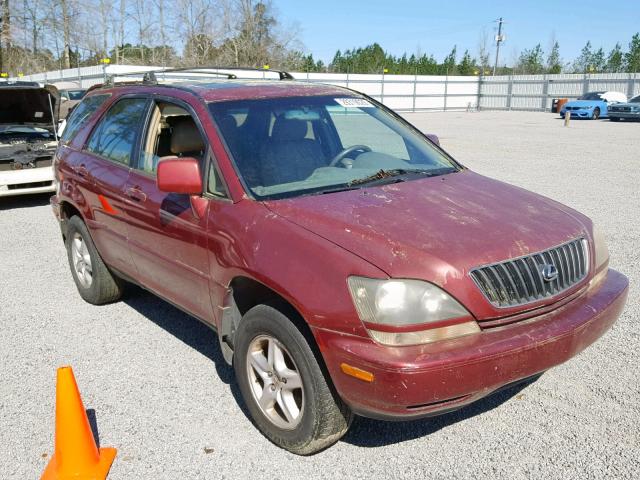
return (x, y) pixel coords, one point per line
(434, 27)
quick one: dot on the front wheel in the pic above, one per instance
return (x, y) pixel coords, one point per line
(614, 119)
(283, 385)
(596, 113)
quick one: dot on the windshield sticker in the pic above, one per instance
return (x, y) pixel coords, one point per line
(39, 115)
(351, 102)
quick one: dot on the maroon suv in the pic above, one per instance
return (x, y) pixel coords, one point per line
(348, 264)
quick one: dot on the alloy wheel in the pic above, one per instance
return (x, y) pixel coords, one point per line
(275, 382)
(81, 261)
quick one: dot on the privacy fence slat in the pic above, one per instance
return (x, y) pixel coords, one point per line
(419, 92)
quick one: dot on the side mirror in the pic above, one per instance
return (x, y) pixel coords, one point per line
(179, 175)
(433, 137)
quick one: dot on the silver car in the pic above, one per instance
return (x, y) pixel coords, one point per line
(629, 110)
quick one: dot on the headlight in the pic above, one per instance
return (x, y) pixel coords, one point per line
(408, 312)
(586, 107)
(600, 247)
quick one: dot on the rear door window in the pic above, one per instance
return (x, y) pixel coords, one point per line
(116, 134)
(80, 114)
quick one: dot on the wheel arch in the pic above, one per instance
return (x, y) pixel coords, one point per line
(246, 292)
(68, 210)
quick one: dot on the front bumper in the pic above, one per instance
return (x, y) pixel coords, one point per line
(578, 113)
(27, 181)
(630, 115)
(423, 380)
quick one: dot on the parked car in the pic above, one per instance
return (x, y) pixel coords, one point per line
(348, 264)
(70, 96)
(592, 105)
(27, 138)
(626, 111)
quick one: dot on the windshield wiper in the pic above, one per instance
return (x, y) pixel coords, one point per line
(398, 175)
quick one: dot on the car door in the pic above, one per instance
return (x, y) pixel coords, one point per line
(105, 165)
(167, 237)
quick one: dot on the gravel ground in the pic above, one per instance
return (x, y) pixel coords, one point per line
(165, 398)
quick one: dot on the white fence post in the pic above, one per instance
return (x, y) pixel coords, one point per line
(446, 90)
(545, 93)
(415, 84)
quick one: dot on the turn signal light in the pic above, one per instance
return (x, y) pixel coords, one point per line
(356, 372)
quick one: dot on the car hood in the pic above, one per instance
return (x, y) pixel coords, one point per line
(583, 103)
(626, 104)
(29, 105)
(438, 228)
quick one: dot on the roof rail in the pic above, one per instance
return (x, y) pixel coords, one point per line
(281, 73)
(149, 76)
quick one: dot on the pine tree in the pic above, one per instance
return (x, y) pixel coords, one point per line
(583, 62)
(615, 60)
(467, 64)
(598, 61)
(530, 61)
(632, 57)
(449, 64)
(554, 64)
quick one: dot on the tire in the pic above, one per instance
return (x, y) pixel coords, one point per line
(596, 113)
(317, 418)
(95, 283)
(614, 119)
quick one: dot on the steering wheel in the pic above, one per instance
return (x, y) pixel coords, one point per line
(345, 152)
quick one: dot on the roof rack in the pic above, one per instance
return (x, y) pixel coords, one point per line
(150, 77)
(281, 73)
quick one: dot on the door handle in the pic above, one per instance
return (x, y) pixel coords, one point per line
(81, 170)
(134, 193)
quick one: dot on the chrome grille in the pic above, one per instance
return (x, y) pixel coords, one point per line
(520, 280)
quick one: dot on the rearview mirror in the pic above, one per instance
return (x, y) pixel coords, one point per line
(179, 175)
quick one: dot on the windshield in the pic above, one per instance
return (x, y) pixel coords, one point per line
(309, 145)
(591, 96)
(74, 94)
(635, 99)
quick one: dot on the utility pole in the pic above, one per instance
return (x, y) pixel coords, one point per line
(499, 40)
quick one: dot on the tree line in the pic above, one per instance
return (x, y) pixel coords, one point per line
(373, 59)
(41, 35)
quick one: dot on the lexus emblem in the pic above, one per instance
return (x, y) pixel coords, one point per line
(549, 272)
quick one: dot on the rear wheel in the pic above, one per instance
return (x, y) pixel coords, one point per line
(95, 283)
(596, 113)
(283, 386)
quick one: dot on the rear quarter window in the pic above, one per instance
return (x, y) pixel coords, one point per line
(83, 111)
(115, 136)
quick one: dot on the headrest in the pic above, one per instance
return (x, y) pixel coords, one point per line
(185, 136)
(288, 129)
(228, 123)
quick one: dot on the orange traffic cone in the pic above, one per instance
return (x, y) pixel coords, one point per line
(76, 454)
